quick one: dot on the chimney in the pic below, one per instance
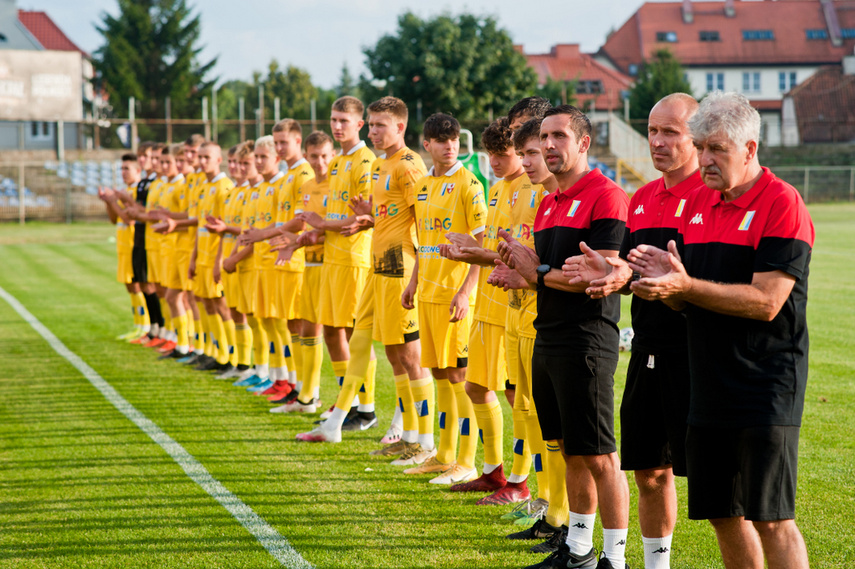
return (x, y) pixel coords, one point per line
(729, 9)
(830, 13)
(688, 15)
(566, 50)
(849, 64)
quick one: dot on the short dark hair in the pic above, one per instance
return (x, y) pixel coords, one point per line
(496, 138)
(144, 147)
(441, 127)
(533, 107)
(528, 130)
(194, 140)
(392, 105)
(129, 157)
(348, 104)
(318, 138)
(580, 124)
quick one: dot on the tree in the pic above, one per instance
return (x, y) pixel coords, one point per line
(346, 84)
(661, 76)
(558, 92)
(151, 53)
(462, 65)
(294, 88)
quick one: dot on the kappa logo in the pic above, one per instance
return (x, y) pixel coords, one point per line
(580, 525)
(411, 324)
(366, 162)
(662, 550)
(407, 157)
(547, 212)
(698, 219)
(639, 210)
(621, 542)
(473, 182)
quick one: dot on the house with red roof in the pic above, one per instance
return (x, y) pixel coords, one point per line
(46, 86)
(760, 48)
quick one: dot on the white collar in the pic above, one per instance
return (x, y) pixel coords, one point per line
(453, 170)
(277, 177)
(360, 144)
(177, 178)
(299, 162)
(218, 177)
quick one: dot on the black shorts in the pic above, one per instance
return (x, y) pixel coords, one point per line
(139, 265)
(574, 398)
(653, 412)
(749, 471)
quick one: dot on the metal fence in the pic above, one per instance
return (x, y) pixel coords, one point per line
(820, 183)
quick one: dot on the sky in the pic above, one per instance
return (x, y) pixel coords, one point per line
(320, 36)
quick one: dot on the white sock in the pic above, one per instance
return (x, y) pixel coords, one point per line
(580, 533)
(292, 376)
(298, 386)
(199, 352)
(398, 418)
(155, 330)
(517, 478)
(262, 370)
(335, 420)
(317, 393)
(657, 552)
(426, 441)
(614, 547)
(410, 436)
(182, 349)
(145, 329)
(355, 401)
(365, 408)
(488, 468)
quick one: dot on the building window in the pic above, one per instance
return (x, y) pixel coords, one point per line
(589, 87)
(3, 38)
(758, 35)
(667, 37)
(633, 69)
(41, 130)
(751, 82)
(847, 33)
(715, 82)
(816, 34)
(707, 35)
(786, 80)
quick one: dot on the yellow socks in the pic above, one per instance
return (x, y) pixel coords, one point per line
(522, 451)
(467, 426)
(286, 346)
(407, 405)
(243, 345)
(446, 406)
(423, 395)
(220, 343)
(142, 312)
(230, 340)
(206, 332)
(556, 470)
(167, 314)
(260, 349)
(538, 453)
(277, 359)
(490, 427)
(182, 330)
(313, 358)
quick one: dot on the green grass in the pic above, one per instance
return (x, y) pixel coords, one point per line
(81, 486)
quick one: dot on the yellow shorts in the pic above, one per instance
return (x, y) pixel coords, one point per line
(231, 288)
(152, 259)
(288, 291)
(444, 344)
(365, 307)
(204, 285)
(166, 260)
(512, 337)
(341, 287)
(179, 272)
(487, 366)
(393, 324)
(124, 267)
(523, 399)
(310, 295)
(248, 291)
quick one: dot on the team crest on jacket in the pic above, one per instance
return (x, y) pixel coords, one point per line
(446, 189)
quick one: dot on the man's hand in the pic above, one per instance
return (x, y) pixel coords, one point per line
(313, 219)
(281, 241)
(160, 227)
(461, 239)
(308, 238)
(192, 271)
(229, 264)
(361, 223)
(106, 194)
(506, 278)
(218, 275)
(408, 299)
(285, 254)
(613, 282)
(215, 225)
(517, 256)
(663, 275)
(610, 273)
(249, 236)
(459, 307)
(360, 206)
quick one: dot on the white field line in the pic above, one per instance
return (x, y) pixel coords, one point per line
(276, 544)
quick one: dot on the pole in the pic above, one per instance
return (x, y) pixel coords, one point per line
(205, 118)
(132, 118)
(851, 184)
(22, 210)
(313, 112)
(807, 184)
(214, 114)
(60, 140)
(260, 111)
(626, 110)
(168, 120)
(241, 109)
(276, 110)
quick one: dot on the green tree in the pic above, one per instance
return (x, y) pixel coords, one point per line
(463, 65)
(150, 52)
(346, 83)
(557, 91)
(293, 86)
(656, 78)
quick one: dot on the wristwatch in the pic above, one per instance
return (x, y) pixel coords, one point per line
(541, 272)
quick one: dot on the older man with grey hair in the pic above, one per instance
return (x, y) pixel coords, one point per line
(740, 273)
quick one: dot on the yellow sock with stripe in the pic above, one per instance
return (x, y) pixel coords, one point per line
(192, 336)
(339, 370)
(466, 426)
(243, 345)
(142, 312)
(167, 315)
(230, 340)
(296, 359)
(221, 344)
(287, 348)
(423, 395)
(274, 341)
(538, 453)
(366, 391)
(522, 452)
(446, 408)
(556, 470)
(182, 330)
(313, 359)
(349, 383)
(205, 331)
(407, 407)
(135, 309)
(490, 430)
(260, 347)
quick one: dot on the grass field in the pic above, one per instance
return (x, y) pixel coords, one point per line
(82, 486)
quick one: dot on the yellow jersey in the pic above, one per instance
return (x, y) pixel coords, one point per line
(525, 200)
(349, 176)
(452, 202)
(248, 214)
(491, 305)
(291, 204)
(393, 181)
(155, 191)
(233, 215)
(174, 198)
(265, 215)
(214, 195)
(125, 231)
(315, 197)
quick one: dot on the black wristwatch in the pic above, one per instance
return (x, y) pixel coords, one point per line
(541, 272)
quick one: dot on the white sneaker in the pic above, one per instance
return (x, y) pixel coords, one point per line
(414, 456)
(456, 475)
(231, 373)
(393, 435)
(296, 407)
(320, 435)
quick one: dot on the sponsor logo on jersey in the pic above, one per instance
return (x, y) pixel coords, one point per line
(269, 191)
(514, 198)
(680, 207)
(547, 212)
(746, 221)
(422, 197)
(290, 178)
(347, 166)
(493, 201)
(573, 207)
(325, 201)
(697, 220)
(429, 249)
(375, 176)
(639, 210)
(436, 223)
